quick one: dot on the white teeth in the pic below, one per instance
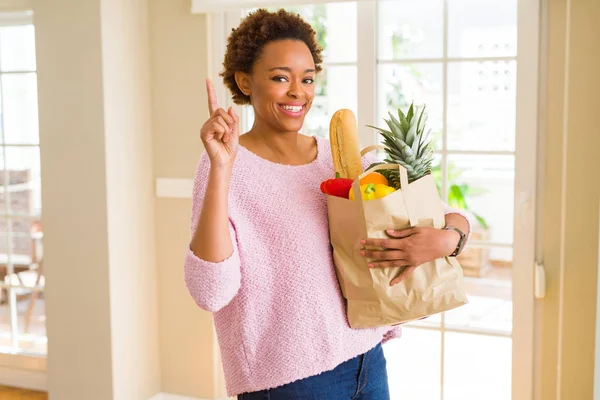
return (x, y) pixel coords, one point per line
(292, 108)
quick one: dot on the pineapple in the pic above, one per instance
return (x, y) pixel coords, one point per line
(407, 144)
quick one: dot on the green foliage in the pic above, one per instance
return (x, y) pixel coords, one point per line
(458, 192)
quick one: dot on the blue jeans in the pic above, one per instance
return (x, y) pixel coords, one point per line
(361, 378)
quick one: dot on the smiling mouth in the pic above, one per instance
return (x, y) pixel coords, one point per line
(292, 109)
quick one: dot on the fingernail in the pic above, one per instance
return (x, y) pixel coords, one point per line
(371, 266)
(362, 253)
(363, 241)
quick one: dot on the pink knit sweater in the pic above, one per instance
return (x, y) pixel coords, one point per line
(278, 310)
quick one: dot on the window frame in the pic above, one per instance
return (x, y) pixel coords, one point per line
(17, 18)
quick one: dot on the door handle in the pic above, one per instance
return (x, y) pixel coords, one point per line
(539, 281)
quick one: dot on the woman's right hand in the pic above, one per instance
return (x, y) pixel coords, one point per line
(220, 133)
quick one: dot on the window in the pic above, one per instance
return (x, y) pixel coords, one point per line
(22, 321)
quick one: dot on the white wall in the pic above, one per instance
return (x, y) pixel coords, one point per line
(130, 198)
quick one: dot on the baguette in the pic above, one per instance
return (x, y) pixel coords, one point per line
(345, 147)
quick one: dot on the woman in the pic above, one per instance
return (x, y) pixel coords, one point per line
(259, 257)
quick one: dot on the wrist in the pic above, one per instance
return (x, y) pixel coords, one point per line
(458, 240)
(219, 179)
(221, 171)
(450, 240)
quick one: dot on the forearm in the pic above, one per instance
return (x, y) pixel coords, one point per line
(212, 240)
(458, 221)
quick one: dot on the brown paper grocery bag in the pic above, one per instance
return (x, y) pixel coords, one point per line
(432, 288)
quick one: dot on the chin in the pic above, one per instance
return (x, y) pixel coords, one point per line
(296, 127)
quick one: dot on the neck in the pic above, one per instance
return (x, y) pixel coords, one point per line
(280, 144)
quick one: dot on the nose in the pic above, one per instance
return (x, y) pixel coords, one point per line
(294, 90)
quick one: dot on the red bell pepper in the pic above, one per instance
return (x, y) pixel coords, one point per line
(337, 186)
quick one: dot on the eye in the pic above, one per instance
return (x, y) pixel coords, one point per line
(280, 79)
(310, 81)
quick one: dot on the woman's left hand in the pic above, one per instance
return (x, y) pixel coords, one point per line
(410, 248)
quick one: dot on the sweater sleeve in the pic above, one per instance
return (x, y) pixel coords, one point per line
(395, 332)
(211, 284)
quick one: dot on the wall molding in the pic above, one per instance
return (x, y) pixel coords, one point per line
(23, 378)
(169, 396)
(16, 6)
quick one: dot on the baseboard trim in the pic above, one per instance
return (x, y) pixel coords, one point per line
(169, 396)
(22, 378)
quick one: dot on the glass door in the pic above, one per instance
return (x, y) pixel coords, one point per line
(22, 281)
(460, 58)
(474, 64)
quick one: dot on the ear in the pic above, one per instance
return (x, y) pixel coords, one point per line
(243, 81)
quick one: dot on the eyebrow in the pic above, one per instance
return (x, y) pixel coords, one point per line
(288, 69)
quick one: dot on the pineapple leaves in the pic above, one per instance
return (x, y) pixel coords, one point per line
(396, 127)
(421, 117)
(410, 113)
(423, 138)
(407, 143)
(380, 130)
(411, 135)
(402, 123)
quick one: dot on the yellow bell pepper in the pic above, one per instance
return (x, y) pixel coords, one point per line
(372, 191)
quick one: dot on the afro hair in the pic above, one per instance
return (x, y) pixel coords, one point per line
(259, 28)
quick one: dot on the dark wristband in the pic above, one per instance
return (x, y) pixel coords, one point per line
(461, 242)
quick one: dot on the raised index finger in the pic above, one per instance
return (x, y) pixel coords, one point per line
(212, 97)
